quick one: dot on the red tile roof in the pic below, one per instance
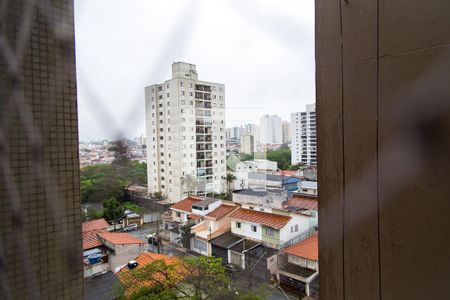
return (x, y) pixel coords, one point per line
(119, 238)
(94, 225)
(186, 204)
(301, 202)
(221, 211)
(259, 217)
(91, 240)
(308, 248)
(134, 282)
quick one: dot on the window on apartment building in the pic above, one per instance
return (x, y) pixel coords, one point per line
(254, 229)
(181, 83)
(292, 229)
(160, 97)
(238, 225)
(296, 227)
(168, 95)
(160, 88)
(178, 214)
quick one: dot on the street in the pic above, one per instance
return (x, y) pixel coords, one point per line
(167, 248)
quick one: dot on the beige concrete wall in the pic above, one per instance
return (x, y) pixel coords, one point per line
(383, 69)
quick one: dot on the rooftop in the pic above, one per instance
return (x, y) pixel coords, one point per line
(91, 240)
(119, 238)
(273, 177)
(298, 202)
(99, 224)
(226, 240)
(252, 192)
(244, 245)
(297, 270)
(263, 218)
(308, 248)
(186, 204)
(206, 202)
(308, 185)
(221, 211)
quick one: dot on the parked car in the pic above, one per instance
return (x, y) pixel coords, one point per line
(152, 239)
(131, 227)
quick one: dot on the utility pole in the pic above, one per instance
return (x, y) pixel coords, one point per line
(157, 234)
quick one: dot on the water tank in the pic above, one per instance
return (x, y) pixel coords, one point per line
(94, 258)
(132, 264)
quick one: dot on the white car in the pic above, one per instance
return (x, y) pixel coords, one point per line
(131, 227)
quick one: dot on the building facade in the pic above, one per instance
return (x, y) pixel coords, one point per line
(286, 132)
(304, 137)
(185, 123)
(271, 130)
(247, 144)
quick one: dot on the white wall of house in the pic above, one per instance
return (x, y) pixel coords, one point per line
(124, 253)
(200, 246)
(211, 207)
(179, 216)
(247, 230)
(303, 262)
(297, 225)
(257, 207)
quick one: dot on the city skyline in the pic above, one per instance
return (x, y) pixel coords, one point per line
(116, 60)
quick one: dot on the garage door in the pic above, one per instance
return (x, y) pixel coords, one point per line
(220, 252)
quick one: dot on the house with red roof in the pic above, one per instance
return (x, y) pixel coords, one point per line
(213, 224)
(297, 267)
(208, 215)
(103, 250)
(274, 228)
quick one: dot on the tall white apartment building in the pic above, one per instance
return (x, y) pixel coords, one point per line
(304, 137)
(185, 123)
(271, 130)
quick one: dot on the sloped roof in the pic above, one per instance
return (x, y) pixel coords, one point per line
(302, 202)
(244, 245)
(91, 240)
(119, 238)
(226, 240)
(185, 204)
(221, 211)
(308, 248)
(94, 225)
(259, 217)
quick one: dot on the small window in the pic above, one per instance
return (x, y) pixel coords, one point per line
(238, 225)
(296, 228)
(254, 228)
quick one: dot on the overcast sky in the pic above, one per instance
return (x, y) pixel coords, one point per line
(262, 50)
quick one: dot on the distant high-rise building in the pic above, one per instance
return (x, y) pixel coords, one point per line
(286, 132)
(252, 129)
(271, 130)
(140, 140)
(247, 144)
(234, 133)
(185, 120)
(304, 138)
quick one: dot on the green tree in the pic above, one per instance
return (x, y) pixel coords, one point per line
(229, 179)
(281, 155)
(187, 278)
(112, 209)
